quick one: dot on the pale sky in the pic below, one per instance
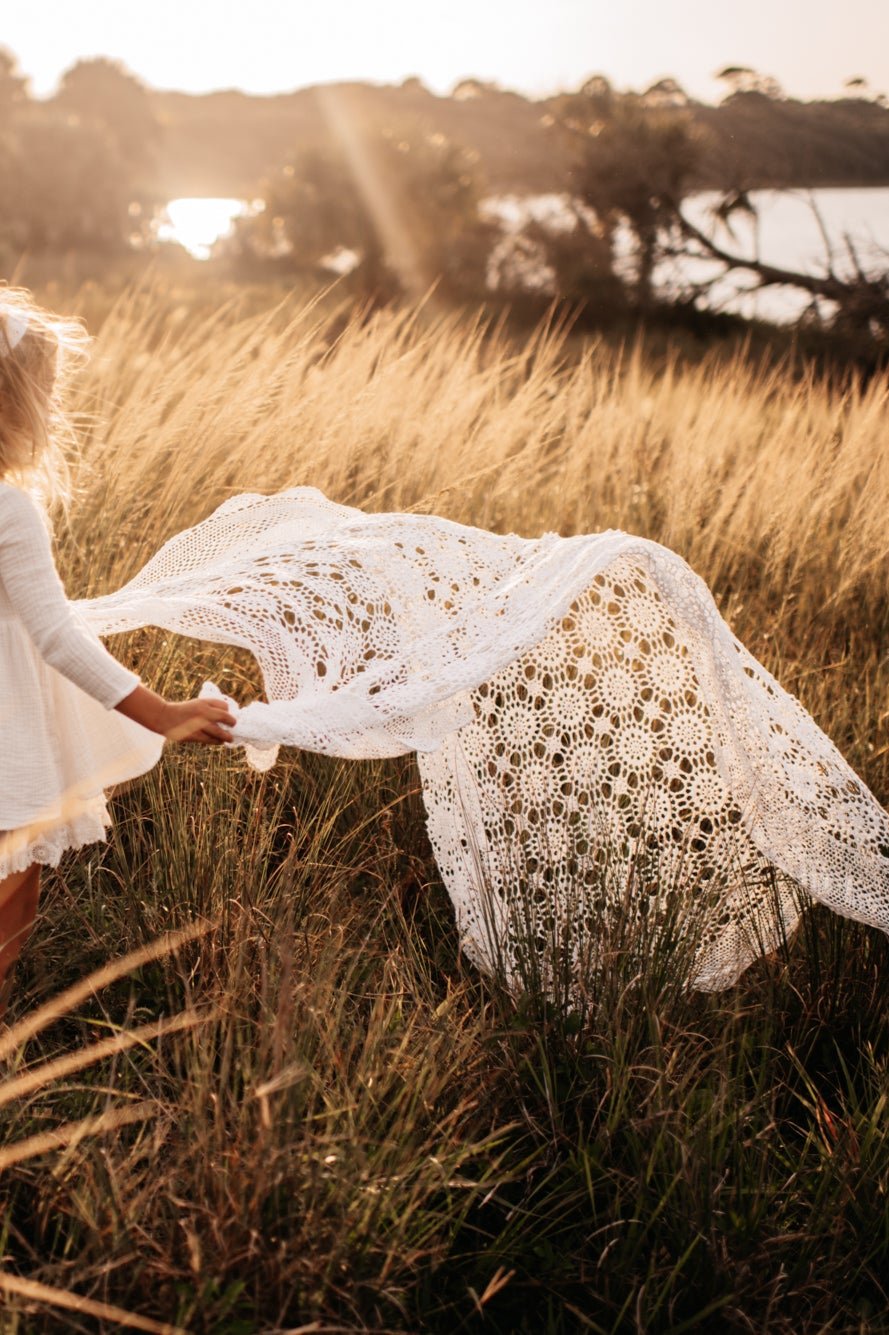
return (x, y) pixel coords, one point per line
(533, 46)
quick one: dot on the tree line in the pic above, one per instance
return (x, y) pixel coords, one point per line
(374, 190)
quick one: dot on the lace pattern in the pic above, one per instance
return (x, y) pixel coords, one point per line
(590, 733)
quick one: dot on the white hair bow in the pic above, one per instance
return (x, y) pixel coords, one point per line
(16, 326)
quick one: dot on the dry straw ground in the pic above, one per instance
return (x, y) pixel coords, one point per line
(339, 1125)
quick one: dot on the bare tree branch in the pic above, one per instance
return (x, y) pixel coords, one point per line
(825, 235)
(862, 301)
(853, 258)
(831, 287)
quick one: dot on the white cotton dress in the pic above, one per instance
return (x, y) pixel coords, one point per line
(62, 743)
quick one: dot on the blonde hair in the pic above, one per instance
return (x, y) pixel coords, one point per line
(36, 430)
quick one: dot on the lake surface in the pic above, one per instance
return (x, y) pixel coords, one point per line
(786, 232)
(196, 224)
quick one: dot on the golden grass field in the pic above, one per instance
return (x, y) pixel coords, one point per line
(338, 1125)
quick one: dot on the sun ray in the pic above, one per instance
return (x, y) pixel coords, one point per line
(382, 194)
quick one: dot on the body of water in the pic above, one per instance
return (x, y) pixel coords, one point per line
(197, 224)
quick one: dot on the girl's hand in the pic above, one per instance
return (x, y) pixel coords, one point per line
(205, 721)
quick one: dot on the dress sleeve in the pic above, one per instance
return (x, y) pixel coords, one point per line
(31, 582)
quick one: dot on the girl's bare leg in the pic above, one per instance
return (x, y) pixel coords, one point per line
(19, 894)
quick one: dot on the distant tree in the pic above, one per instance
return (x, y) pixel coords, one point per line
(406, 202)
(65, 188)
(577, 260)
(74, 167)
(598, 95)
(634, 164)
(665, 93)
(311, 209)
(101, 91)
(467, 89)
(859, 87)
(744, 81)
(13, 85)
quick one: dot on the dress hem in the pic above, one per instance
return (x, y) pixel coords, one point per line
(21, 849)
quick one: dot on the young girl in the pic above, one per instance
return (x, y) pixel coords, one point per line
(73, 720)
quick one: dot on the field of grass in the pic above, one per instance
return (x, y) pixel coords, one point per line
(347, 1128)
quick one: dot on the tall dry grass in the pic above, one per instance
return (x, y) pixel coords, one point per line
(361, 1132)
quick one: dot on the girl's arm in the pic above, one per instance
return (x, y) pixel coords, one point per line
(31, 582)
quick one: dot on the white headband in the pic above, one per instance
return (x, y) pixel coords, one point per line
(16, 328)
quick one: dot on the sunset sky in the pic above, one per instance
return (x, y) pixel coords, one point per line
(534, 46)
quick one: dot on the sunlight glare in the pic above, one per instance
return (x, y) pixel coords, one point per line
(196, 223)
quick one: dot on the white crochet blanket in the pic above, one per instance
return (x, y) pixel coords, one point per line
(591, 736)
